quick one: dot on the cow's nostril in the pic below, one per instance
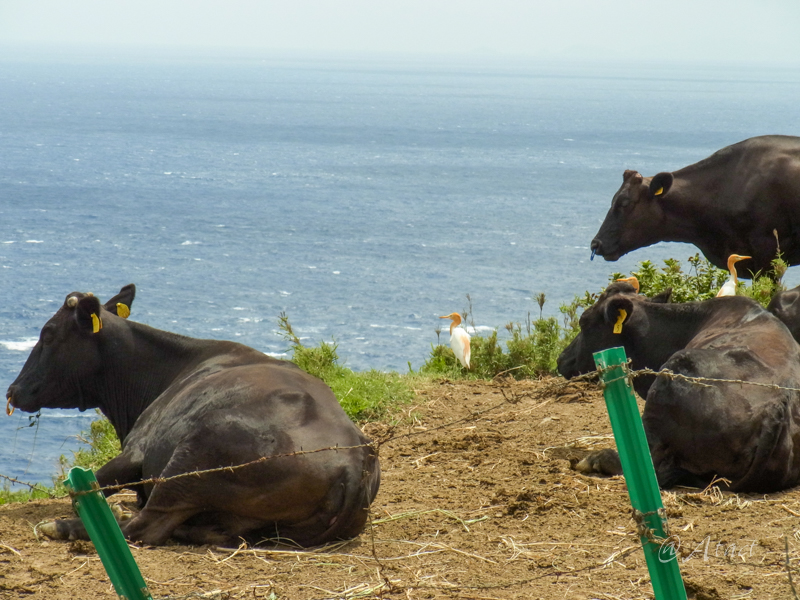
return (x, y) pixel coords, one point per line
(596, 247)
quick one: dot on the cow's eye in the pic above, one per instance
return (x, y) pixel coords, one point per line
(48, 335)
(623, 203)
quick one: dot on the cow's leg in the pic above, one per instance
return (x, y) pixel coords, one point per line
(200, 535)
(154, 526)
(117, 471)
(169, 504)
(150, 527)
(120, 470)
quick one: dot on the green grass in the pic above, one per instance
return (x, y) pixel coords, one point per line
(102, 445)
(364, 395)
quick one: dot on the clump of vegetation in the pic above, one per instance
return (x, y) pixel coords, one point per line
(532, 348)
(363, 395)
(530, 351)
(37, 492)
(101, 445)
(765, 285)
(703, 280)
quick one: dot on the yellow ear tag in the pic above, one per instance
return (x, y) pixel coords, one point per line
(659, 191)
(97, 323)
(123, 310)
(618, 325)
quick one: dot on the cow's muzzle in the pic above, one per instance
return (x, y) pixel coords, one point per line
(598, 249)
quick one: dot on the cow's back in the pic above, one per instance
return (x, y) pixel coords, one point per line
(278, 409)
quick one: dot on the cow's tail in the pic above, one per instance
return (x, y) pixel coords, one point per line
(359, 486)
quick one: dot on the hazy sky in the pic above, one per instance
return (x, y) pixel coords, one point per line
(709, 30)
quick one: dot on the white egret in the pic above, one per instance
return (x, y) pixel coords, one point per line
(729, 288)
(459, 339)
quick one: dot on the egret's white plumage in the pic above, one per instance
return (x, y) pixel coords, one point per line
(729, 287)
(459, 339)
(632, 280)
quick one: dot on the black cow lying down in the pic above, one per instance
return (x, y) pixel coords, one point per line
(786, 306)
(747, 434)
(180, 404)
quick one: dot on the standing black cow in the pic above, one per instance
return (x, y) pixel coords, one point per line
(747, 434)
(728, 203)
(179, 405)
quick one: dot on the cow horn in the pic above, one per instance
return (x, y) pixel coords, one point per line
(72, 301)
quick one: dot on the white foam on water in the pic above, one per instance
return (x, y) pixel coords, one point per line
(22, 345)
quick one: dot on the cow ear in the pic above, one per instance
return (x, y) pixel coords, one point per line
(120, 304)
(664, 297)
(618, 312)
(660, 184)
(87, 314)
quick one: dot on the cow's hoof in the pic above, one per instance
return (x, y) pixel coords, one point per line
(605, 462)
(120, 514)
(50, 529)
(63, 529)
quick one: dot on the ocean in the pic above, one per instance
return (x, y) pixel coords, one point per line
(363, 197)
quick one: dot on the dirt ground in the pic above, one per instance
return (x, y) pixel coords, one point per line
(478, 502)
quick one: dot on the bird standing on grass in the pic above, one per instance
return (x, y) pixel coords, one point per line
(632, 280)
(459, 339)
(729, 288)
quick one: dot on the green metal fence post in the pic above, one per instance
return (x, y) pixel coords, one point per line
(103, 530)
(640, 476)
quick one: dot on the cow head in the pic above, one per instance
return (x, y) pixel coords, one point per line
(633, 220)
(68, 354)
(618, 318)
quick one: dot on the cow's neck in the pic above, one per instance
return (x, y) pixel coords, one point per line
(691, 218)
(670, 327)
(140, 370)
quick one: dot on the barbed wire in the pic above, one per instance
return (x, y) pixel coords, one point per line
(376, 444)
(32, 486)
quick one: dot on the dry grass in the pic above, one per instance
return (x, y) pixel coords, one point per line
(477, 501)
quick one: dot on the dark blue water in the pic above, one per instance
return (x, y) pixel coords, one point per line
(364, 199)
